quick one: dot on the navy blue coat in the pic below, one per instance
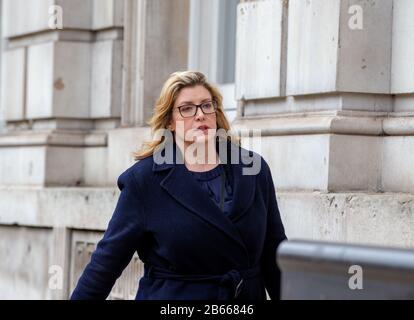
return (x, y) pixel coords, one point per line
(190, 249)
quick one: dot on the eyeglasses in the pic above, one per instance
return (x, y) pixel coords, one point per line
(190, 110)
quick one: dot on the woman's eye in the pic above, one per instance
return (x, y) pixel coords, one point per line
(186, 108)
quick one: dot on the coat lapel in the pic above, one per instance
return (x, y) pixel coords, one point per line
(180, 184)
(244, 186)
(183, 188)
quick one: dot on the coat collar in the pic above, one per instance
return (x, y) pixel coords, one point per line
(184, 188)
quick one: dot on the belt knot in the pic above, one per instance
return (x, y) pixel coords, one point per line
(231, 285)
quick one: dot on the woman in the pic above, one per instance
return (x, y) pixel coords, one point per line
(204, 226)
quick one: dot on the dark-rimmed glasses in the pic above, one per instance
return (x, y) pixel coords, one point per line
(190, 110)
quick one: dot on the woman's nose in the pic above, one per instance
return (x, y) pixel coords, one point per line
(199, 113)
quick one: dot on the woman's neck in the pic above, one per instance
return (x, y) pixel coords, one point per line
(202, 167)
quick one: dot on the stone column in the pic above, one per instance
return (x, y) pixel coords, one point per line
(156, 44)
(61, 94)
(398, 167)
(61, 90)
(319, 78)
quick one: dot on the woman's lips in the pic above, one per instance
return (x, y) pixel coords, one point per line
(203, 128)
(203, 131)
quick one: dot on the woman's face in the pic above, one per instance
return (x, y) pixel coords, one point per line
(198, 128)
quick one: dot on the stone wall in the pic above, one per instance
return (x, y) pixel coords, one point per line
(334, 105)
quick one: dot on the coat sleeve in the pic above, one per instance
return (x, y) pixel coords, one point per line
(275, 234)
(115, 250)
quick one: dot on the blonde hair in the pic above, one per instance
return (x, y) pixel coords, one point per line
(163, 108)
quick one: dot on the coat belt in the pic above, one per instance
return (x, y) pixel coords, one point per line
(230, 283)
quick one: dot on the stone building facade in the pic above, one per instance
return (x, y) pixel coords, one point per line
(330, 84)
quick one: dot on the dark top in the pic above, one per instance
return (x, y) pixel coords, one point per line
(211, 181)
